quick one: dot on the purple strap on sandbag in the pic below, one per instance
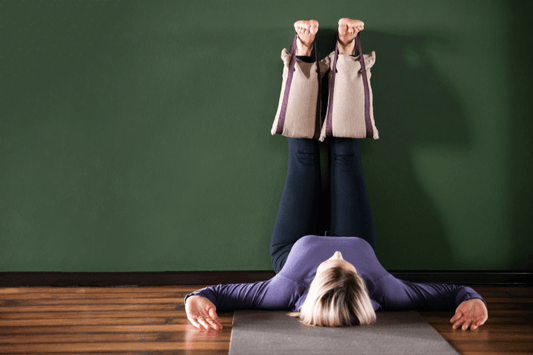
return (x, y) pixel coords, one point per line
(283, 111)
(318, 121)
(368, 121)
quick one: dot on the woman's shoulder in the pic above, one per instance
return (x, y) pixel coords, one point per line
(285, 291)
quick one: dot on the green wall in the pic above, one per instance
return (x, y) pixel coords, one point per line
(135, 135)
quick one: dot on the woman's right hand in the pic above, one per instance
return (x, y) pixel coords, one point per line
(201, 312)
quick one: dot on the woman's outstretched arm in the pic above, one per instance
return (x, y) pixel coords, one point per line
(277, 293)
(470, 308)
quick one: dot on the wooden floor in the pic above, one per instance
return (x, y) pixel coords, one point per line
(152, 320)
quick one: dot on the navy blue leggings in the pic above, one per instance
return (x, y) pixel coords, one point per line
(299, 208)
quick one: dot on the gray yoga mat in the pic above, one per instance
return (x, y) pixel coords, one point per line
(273, 332)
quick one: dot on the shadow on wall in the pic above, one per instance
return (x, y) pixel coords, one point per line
(415, 107)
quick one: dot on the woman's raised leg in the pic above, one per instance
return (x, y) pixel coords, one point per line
(299, 205)
(298, 209)
(351, 214)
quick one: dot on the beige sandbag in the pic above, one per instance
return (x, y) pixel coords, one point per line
(302, 108)
(347, 99)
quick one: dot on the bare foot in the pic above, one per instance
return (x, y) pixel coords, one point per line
(306, 31)
(348, 30)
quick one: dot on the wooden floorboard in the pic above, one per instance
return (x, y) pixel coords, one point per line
(152, 320)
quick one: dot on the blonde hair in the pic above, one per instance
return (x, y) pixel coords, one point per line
(337, 297)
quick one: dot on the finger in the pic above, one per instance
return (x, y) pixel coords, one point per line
(477, 324)
(212, 313)
(194, 322)
(203, 323)
(457, 316)
(457, 324)
(218, 323)
(213, 323)
(474, 326)
(214, 316)
(466, 325)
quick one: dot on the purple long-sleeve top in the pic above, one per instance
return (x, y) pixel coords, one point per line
(288, 289)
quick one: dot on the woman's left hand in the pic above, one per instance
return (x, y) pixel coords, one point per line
(472, 313)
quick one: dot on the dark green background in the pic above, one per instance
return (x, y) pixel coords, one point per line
(135, 135)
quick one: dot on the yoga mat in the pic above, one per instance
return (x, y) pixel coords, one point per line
(273, 332)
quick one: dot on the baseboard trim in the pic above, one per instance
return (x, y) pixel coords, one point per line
(141, 279)
(170, 278)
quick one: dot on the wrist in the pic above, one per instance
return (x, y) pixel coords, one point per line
(188, 297)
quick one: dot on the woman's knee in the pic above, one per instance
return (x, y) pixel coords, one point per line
(344, 147)
(345, 151)
(304, 151)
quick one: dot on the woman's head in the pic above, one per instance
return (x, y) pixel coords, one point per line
(337, 296)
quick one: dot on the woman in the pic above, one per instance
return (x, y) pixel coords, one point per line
(332, 280)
